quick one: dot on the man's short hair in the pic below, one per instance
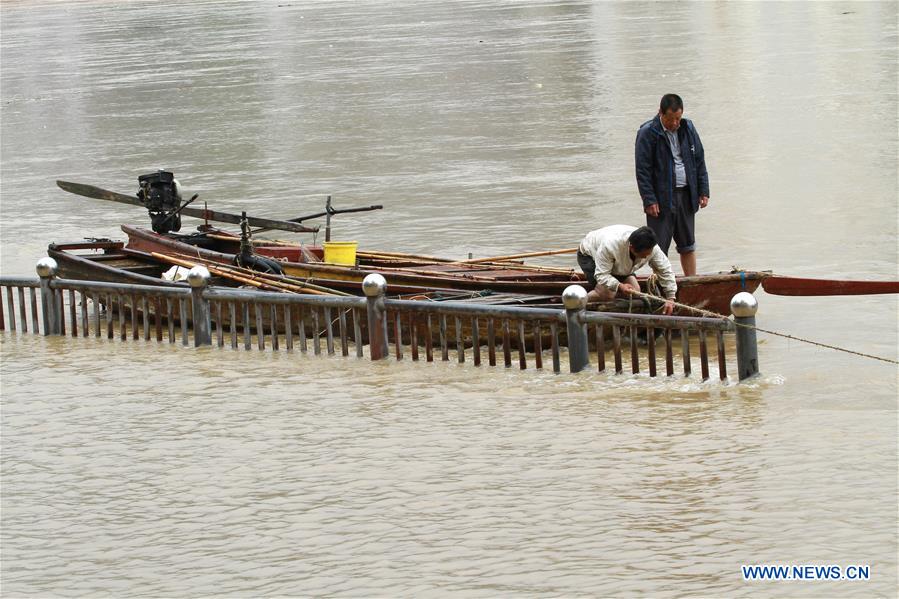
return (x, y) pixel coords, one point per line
(643, 239)
(671, 102)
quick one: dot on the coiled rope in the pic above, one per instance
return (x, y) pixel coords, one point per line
(711, 314)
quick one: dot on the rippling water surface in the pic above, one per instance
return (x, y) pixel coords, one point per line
(482, 127)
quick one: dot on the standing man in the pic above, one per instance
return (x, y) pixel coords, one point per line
(672, 178)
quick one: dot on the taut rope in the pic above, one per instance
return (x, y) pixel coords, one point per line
(784, 335)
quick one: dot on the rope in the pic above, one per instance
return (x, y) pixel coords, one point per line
(784, 335)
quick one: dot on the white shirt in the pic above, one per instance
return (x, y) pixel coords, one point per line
(610, 249)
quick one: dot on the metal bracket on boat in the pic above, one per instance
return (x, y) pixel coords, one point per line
(329, 212)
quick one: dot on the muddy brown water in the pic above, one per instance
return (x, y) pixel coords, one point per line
(482, 127)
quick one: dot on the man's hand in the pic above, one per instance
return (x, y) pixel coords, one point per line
(703, 201)
(653, 210)
(668, 308)
(627, 288)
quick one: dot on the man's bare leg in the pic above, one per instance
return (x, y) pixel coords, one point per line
(688, 263)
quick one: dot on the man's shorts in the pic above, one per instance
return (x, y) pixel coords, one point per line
(588, 265)
(677, 224)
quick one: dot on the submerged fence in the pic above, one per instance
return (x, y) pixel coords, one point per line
(202, 315)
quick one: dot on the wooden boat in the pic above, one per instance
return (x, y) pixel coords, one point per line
(709, 292)
(111, 261)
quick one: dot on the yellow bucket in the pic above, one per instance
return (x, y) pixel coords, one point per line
(341, 252)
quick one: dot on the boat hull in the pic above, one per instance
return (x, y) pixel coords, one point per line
(708, 292)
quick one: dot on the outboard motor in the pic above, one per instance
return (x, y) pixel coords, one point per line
(161, 194)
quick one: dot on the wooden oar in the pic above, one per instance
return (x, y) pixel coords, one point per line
(778, 285)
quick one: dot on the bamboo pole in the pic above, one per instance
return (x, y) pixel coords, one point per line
(256, 279)
(484, 265)
(516, 256)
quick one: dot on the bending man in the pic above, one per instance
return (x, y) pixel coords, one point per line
(611, 256)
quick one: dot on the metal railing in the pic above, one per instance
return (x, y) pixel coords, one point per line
(204, 315)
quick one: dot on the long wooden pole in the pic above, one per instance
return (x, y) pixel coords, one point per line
(253, 278)
(516, 256)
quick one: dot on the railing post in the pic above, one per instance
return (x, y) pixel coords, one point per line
(46, 270)
(375, 288)
(744, 306)
(198, 277)
(575, 299)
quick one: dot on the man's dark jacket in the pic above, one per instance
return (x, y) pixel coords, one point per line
(655, 164)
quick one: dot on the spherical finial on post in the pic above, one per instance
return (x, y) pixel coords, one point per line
(374, 285)
(47, 267)
(198, 276)
(574, 297)
(744, 304)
